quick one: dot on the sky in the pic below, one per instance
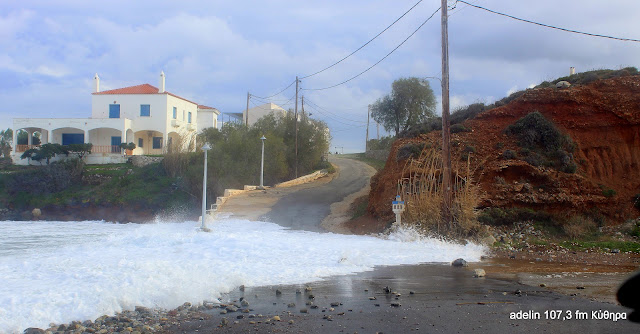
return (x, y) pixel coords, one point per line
(214, 52)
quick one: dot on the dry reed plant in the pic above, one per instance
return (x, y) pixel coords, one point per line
(421, 189)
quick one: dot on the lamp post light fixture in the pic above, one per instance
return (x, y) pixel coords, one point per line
(262, 164)
(204, 228)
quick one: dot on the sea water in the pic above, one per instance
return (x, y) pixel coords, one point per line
(58, 272)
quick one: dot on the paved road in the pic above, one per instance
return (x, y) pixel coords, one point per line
(305, 209)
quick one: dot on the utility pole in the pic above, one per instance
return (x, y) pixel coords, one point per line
(366, 143)
(296, 119)
(302, 98)
(246, 122)
(446, 137)
(378, 130)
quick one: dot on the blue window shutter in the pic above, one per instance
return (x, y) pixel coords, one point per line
(145, 110)
(189, 117)
(114, 111)
(175, 112)
(140, 142)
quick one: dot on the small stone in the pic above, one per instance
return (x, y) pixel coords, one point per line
(386, 289)
(278, 292)
(542, 285)
(32, 330)
(615, 251)
(252, 322)
(291, 322)
(290, 305)
(334, 304)
(304, 310)
(246, 310)
(312, 296)
(223, 312)
(314, 307)
(479, 273)
(240, 316)
(244, 303)
(224, 322)
(377, 305)
(276, 318)
(412, 292)
(308, 303)
(307, 289)
(395, 304)
(232, 308)
(459, 263)
(331, 309)
(372, 298)
(580, 287)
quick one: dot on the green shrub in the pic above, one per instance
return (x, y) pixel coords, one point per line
(458, 128)
(509, 154)
(409, 150)
(608, 193)
(542, 143)
(507, 216)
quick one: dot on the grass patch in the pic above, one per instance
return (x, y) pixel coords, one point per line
(623, 246)
(359, 207)
(375, 163)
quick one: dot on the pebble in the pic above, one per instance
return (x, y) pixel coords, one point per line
(479, 273)
(278, 292)
(276, 318)
(304, 310)
(291, 322)
(334, 304)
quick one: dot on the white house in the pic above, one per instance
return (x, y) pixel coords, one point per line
(155, 120)
(260, 111)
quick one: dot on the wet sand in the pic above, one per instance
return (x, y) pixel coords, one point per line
(444, 300)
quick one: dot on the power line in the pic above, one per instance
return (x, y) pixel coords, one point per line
(379, 61)
(317, 106)
(328, 116)
(276, 94)
(550, 26)
(365, 44)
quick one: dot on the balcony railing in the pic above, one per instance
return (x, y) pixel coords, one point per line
(106, 149)
(22, 148)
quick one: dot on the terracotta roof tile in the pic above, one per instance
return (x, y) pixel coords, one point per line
(140, 89)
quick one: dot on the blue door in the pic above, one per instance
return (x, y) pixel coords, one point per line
(115, 144)
(72, 138)
(114, 111)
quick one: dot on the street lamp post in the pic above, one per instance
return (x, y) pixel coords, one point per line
(204, 228)
(262, 164)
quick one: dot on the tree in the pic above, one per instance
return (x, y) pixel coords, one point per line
(80, 149)
(411, 102)
(46, 151)
(6, 140)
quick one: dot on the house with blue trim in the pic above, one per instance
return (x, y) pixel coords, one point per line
(155, 120)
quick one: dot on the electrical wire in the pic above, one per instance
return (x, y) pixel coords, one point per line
(379, 61)
(365, 44)
(276, 94)
(550, 26)
(317, 106)
(331, 117)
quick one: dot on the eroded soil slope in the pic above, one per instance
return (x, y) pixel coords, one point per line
(602, 118)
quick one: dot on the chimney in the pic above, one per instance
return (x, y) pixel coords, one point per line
(96, 84)
(161, 89)
(572, 71)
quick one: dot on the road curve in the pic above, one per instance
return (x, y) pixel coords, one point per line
(305, 209)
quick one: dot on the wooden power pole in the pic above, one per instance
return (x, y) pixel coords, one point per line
(246, 119)
(446, 153)
(366, 143)
(296, 120)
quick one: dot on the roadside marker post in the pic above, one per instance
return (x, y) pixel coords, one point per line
(398, 209)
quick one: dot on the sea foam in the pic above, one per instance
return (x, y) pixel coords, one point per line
(57, 272)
